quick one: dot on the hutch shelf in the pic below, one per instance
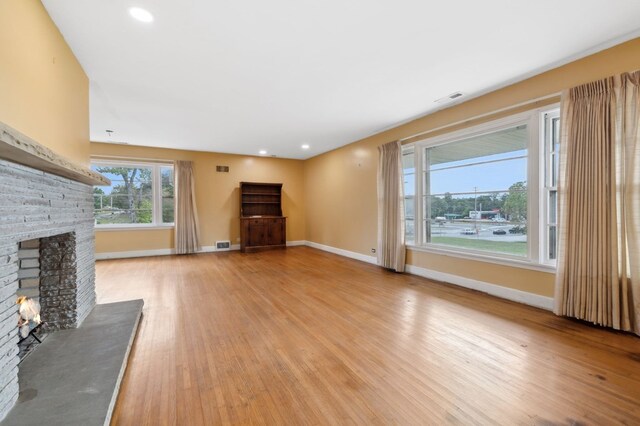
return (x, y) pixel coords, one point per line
(262, 225)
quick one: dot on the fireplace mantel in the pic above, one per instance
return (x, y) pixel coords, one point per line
(21, 149)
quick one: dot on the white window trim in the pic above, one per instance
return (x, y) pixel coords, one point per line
(536, 207)
(546, 116)
(406, 148)
(156, 179)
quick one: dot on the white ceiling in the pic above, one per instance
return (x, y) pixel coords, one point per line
(240, 76)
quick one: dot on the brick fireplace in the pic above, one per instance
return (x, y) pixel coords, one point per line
(46, 244)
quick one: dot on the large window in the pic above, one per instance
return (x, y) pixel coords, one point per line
(481, 192)
(139, 194)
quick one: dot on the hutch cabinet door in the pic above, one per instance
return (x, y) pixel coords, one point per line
(257, 235)
(277, 232)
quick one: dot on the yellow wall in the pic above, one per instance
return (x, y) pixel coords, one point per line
(331, 199)
(44, 93)
(340, 195)
(217, 196)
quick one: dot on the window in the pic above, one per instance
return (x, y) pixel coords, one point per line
(140, 195)
(479, 190)
(551, 148)
(167, 195)
(409, 171)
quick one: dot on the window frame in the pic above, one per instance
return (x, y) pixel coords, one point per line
(156, 190)
(409, 150)
(537, 218)
(547, 118)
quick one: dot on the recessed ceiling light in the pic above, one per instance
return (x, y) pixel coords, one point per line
(305, 146)
(141, 14)
(263, 152)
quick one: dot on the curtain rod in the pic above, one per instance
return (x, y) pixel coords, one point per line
(129, 158)
(486, 114)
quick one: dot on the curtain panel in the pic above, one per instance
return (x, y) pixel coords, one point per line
(599, 204)
(391, 242)
(186, 218)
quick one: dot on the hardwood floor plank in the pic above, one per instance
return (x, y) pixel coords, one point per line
(301, 336)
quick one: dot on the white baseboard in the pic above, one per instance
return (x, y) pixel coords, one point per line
(166, 252)
(514, 295)
(211, 249)
(136, 253)
(158, 252)
(345, 253)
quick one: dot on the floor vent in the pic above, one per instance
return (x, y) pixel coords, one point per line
(223, 245)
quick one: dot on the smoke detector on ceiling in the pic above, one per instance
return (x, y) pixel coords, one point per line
(111, 140)
(449, 98)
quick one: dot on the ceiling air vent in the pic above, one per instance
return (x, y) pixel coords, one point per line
(222, 169)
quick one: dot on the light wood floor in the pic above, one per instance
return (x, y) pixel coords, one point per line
(306, 337)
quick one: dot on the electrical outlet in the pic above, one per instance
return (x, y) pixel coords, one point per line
(373, 250)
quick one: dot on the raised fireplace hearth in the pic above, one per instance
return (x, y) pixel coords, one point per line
(46, 245)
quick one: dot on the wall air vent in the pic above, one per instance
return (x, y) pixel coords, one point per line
(223, 245)
(222, 169)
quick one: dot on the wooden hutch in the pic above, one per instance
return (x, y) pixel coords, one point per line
(262, 225)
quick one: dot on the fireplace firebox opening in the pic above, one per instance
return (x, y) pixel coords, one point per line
(46, 288)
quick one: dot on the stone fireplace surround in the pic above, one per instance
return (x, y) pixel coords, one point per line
(43, 196)
(56, 280)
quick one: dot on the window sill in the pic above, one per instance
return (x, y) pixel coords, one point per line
(132, 227)
(516, 263)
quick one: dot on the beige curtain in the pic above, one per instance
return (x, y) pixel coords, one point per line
(599, 204)
(186, 221)
(628, 174)
(391, 246)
